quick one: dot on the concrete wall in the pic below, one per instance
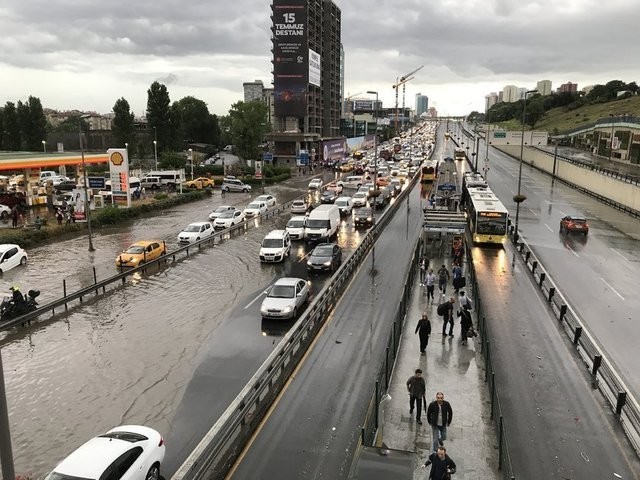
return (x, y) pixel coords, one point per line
(616, 191)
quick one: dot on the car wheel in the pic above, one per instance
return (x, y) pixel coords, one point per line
(295, 312)
(197, 238)
(5, 215)
(23, 261)
(244, 190)
(153, 473)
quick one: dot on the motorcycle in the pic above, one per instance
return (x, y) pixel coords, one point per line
(9, 309)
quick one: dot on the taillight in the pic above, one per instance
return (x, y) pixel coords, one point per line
(161, 442)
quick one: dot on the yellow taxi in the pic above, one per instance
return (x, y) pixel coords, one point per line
(141, 252)
(200, 183)
(347, 167)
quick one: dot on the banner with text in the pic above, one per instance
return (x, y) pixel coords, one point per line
(314, 68)
(119, 176)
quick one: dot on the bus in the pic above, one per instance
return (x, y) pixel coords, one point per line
(459, 154)
(447, 135)
(487, 216)
(428, 173)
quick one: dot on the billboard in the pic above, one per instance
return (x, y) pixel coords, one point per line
(333, 150)
(290, 57)
(314, 68)
(363, 105)
(119, 173)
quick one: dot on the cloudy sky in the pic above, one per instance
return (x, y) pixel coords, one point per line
(85, 54)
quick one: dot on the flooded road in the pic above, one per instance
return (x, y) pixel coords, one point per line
(127, 356)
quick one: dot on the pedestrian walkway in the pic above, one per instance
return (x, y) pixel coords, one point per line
(457, 371)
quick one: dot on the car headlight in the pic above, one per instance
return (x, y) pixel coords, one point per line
(263, 309)
(309, 262)
(327, 263)
(287, 309)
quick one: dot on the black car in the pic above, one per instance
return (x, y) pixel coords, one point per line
(383, 198)
(363, 217)
(325, 257)
(328, 196)
(66, 186)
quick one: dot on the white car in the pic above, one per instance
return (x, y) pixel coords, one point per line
(315, 184)
(195, 232)
(295, 227)
(285, 298)
(5, 212)
(360, 199)
(220, 210)
(229, 219)
(299, 206)
(255, 209)
(345, 204)
(11, 256)
(270, 200)
(133, 451)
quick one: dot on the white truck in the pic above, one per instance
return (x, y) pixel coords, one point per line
(322, 223)
(156, 179)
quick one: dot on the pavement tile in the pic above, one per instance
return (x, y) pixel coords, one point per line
(458, 371)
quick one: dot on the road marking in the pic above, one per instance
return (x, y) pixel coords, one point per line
(612, 289)
(572, 251)
(533, 212)
(254, 300)
(550, 229)
(562, 213)
(620, 254)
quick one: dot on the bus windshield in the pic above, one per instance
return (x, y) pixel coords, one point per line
(494, 225)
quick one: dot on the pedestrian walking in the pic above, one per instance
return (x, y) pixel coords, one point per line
(465, 302)
(422, 264)
(430, 281)
(448, 317)
(423, 329)
(59, 216)
(465, 324)
(456, 273)
(442, 466)
(443, 278)
(439, 416)
(14, 216)
(417, 389)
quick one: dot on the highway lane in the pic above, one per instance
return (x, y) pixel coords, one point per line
(314, 429)
(597, 273)
(129, 356)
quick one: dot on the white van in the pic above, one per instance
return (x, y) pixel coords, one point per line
(345, 204)
(295, 227)
(352, 181)
(167, 178)
(275, 246)
(322, 223)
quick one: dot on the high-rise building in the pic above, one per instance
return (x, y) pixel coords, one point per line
(510, 94)
(253, 90)
(522, 92)
(307, 72)
(544, 87)
(568, 88)
(432, 112)
(490, 100)
(422, 104)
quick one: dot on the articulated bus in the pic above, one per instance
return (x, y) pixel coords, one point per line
(487, 216)
(428, 171)
(459, 154)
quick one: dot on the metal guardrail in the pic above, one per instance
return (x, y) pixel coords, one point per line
(604, 375)
(219, 449)
(100, 286)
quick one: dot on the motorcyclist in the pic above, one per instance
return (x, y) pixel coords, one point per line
(17, 299)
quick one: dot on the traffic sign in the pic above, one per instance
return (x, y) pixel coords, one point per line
(267, 157)
(96, 182)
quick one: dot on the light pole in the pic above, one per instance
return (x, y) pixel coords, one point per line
(87, 206)
(126, 146)
(375, 182)
(44, 146)
(475, 154)
(519, 198)
(191, 159)
(155, 146)
(613, 122)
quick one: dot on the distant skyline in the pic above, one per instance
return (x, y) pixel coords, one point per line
(88, 54)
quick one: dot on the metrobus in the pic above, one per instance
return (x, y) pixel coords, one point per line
(459, 154)
(471, 180)
(428, 172)
(488, 218)
(447, 135)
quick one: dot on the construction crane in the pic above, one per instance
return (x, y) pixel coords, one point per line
(403, 81)
(353, 113)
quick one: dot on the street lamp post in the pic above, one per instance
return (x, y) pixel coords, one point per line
(613, 122)
(87, 206)
(475, 154)
(126, 146)
(519, 198)
(375, 179)
(44, 146)
(191, 159)
(155, 145)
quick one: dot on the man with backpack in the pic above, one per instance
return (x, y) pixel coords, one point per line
(443, 278)
(445, 310)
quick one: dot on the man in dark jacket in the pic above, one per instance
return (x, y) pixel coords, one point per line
(441, 465)
(465, 324)
(423, 329)
(417, 389)
(439, 416)
(448, 318)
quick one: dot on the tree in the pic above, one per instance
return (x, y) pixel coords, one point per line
(36, 125)
(22, 113)
(122, 124)
(11, 127)
(535, 111)
(248, 127)
(159, 115)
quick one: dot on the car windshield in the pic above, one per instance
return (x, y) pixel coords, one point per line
(263, 198)
(578, 220)
(318, 223)
(192, 228)
(272, 243)
(253, 206)
(221, 209)
(360, 195)
(323, 251)
(62, 476)
(282, 291)
(135, 249)
(295, 223)
(227, 214)
(125, 436)
(342, 203)
(298, 203)
(364, 212)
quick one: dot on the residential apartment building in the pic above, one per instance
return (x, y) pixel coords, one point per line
(253, 91)
(510, 94)
(307, 68)
(544, 87)
(422, 104)
(568, 88)
(490, 100)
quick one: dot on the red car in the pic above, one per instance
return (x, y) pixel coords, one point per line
(574, 224)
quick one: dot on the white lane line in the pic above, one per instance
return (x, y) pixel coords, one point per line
(254, 301)
(573, 251)
(612, 289)
(562, 213)
(550, 229)
(533, 212)
(615, 251)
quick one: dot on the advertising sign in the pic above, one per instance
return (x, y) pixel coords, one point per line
(96, 182)
(333, 150)
(302, 159)
(258, 168)
(119, 175)
(290, 57)
(363, 105)
(314, 68)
